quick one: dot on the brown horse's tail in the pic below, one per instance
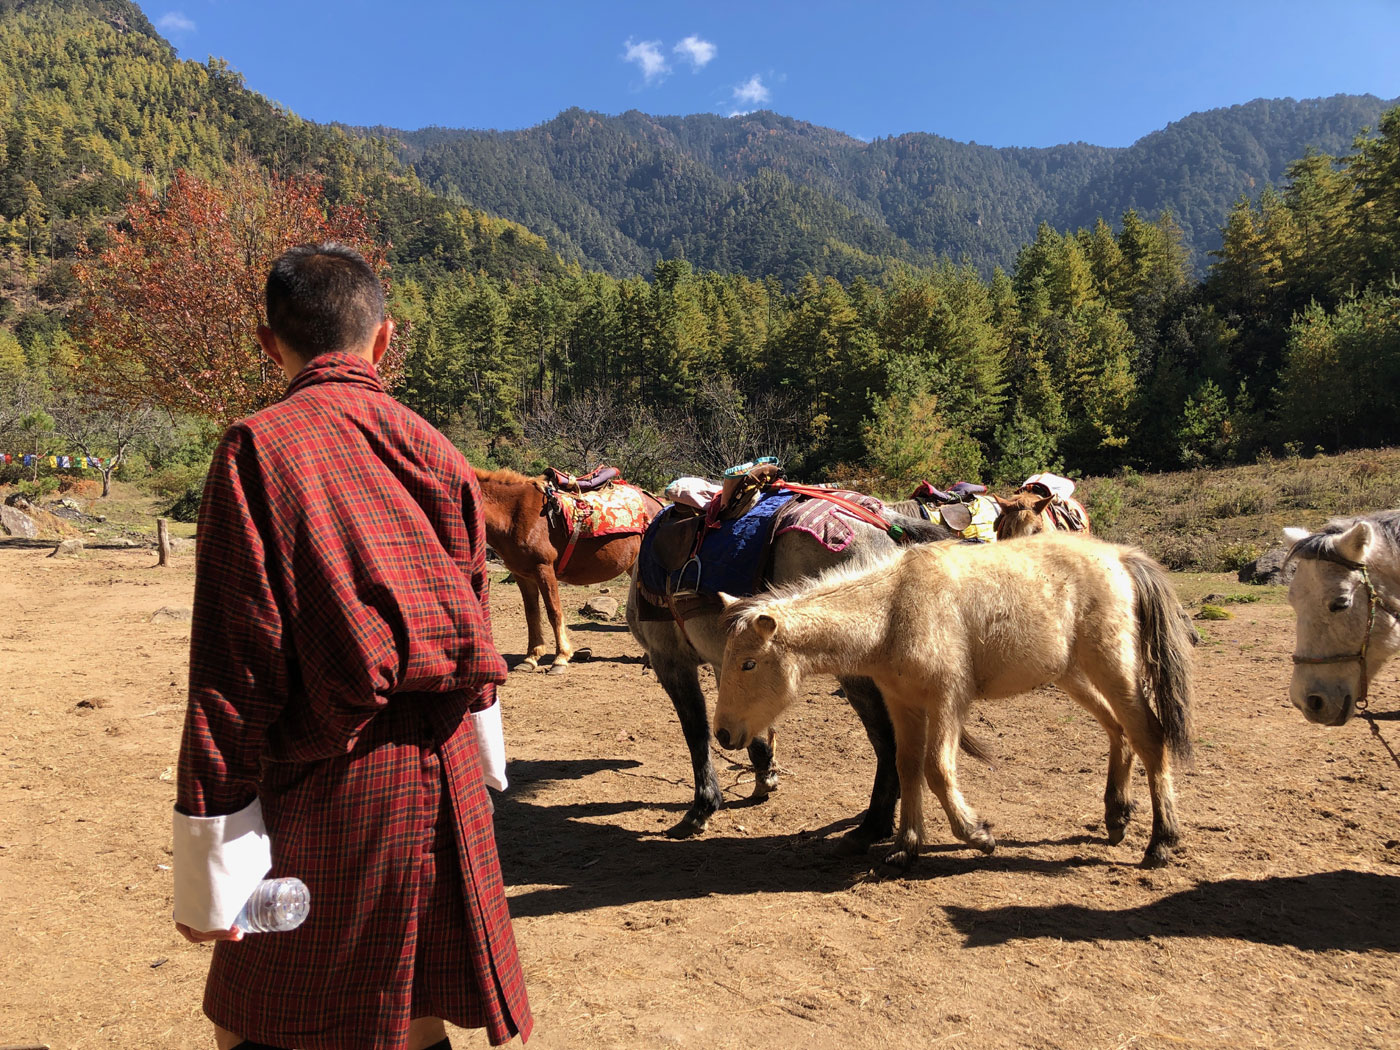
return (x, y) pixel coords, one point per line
(1164, 650)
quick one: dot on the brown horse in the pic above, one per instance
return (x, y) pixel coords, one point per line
(531, 543)
(1026, 513)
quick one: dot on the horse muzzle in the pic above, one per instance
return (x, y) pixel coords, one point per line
(1324, 710)
(731, 740)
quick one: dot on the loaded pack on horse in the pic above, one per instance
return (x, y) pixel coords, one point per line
(1098, 620)
(557, 528)
(965, 508)
(1346, 593)
(756, 531)
(1043, 503)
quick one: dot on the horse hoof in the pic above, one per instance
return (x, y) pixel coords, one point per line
(900, 860)
(688, 828)
(1116, 833)
(764, 786)
(983, 839)
(558, 668)
(1158, 855)
(582, 656)
(526, 665)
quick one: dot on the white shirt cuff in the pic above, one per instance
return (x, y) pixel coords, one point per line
(491, 743)
(218, 862)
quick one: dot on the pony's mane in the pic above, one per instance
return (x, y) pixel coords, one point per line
(505, 476)
(1323, 543)
(745, 612)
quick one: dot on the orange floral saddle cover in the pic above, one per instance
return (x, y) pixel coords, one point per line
(618, 509)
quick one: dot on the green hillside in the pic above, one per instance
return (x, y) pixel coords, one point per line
(620, 192)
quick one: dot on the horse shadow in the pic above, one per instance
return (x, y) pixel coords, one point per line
(575, 857)
(1327, 911)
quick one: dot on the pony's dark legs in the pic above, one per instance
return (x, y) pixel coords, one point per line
(1117, 803)
(1144, 733)
(681, 680)
(884, 793)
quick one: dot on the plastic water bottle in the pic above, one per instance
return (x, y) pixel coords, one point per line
(277, 905)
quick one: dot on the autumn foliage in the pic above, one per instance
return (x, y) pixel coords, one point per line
(171, 307)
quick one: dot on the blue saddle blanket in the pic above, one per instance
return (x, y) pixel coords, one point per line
(732, 556)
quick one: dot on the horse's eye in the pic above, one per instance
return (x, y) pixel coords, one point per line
(1338, 604)
(749, 665)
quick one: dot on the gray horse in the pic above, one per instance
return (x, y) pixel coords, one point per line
(676, 656)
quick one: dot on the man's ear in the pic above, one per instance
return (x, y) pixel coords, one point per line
(382, 337)
(268, 342)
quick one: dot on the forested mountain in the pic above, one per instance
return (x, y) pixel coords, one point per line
(767, 195)
(93, 103)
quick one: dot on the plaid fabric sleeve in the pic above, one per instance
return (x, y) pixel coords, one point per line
(238, 673)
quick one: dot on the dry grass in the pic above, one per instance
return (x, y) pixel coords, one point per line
(1218, 520)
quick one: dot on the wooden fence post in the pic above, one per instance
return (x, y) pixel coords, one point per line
(163, 541)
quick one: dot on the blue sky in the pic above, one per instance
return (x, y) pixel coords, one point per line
(1002, 74)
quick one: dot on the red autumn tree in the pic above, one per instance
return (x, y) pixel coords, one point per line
(170, 309)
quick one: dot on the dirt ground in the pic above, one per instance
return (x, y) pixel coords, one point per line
(1279, 927)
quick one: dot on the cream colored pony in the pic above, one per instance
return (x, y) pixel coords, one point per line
(937, 627)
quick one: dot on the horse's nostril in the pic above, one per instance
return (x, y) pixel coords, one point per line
(722, 735)
(1314, 703)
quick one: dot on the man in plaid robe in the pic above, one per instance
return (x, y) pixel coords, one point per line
(341, 724)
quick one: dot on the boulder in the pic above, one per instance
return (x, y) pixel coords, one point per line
(68, 549)
(601, 608)
(14, 522)
(1270, 567)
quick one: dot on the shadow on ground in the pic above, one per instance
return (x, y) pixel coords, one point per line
(1333, 910)
(581, 859)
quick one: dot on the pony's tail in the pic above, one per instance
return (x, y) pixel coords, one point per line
(1164, 650)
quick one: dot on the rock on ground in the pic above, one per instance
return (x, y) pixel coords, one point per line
(68, 549)
(601, 608)
(1270, 567)
(14, 522)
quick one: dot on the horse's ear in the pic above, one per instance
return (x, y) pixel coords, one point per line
(1043, 504)
(728, 601)
(766, 626)
(1293, 534)
(1355, 544)
(1001, 502)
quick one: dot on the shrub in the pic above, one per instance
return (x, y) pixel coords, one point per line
(1104, 502)
(1214, 612)
(1235, 556)
(186, 507)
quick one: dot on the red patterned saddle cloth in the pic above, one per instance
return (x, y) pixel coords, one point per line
(826, 522)
(618, 509)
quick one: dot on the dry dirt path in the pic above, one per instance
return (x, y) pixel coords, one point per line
(1279, 928)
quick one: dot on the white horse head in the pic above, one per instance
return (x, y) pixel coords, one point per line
(1346, 629)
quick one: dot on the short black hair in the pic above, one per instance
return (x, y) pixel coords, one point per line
(323, 297)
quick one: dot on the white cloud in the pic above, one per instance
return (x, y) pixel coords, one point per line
(647, 54)
(175, 22)
(695, 51)
(752, 92)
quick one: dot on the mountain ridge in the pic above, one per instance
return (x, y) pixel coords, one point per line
(936, 196)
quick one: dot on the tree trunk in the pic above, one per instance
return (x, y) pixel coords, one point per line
(106, 481)
(163, 541)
